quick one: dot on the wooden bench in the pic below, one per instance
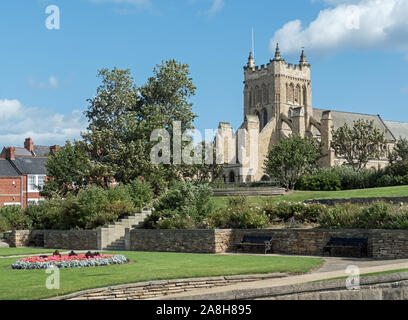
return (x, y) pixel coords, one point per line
(361, 243)
(264, 241)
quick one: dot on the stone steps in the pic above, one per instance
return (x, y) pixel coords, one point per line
(114, 234)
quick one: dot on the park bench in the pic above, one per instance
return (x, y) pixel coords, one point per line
(360, 243)
(257, 241)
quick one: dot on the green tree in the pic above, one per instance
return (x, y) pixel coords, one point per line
(122, 118)
(291, 158)
(400, 152)
(358, 144)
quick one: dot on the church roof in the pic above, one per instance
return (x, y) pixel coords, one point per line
(341, 117)
(399, 129)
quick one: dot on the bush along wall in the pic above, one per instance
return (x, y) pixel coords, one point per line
(345, 178)
(92, 208)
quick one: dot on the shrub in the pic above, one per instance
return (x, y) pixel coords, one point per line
(187, 201)
(15, 217)
(238, 215)
(140, 192)
(45, 214)
(285, 210)
(379, 215)
(94, 207)
(325, 180)
(399, 168)
(4, 224)
(340, 216)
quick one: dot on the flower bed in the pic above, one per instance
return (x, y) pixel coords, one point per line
(66, 261)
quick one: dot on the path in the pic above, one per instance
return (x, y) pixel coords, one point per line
(333, 268)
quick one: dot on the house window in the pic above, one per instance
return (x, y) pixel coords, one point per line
(36, 183)
(34, 201)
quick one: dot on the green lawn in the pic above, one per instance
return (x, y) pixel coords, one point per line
(307, 195)
(20, 251)
(30, 284)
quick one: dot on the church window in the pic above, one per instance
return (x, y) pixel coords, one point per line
(290, 93)
(265, 94)
(297, 94)
(258, 95)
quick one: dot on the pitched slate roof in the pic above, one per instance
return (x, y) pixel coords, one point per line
(7, 170)
(22, 152)
(41, 151)
(398, 129)
(31, 165)
(341, 117)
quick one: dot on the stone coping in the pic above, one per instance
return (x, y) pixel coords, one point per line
(180, 282)
(309, 287)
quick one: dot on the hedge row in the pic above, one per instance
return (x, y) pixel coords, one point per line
(345, 178)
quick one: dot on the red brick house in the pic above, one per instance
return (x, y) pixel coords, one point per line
(23, 173)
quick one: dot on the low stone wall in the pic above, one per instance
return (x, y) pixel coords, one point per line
(381, 287)
(25, 238)
(152, 289)
(384, 244)
(71, 239)
(54, 239)
(332, 202)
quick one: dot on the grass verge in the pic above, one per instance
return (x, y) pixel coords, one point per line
(23, 251)
(399, 191)
(144, 266)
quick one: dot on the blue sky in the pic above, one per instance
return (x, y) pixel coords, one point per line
(358, 50)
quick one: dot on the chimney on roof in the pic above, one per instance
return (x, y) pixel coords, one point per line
(54, 149)
(10, 153)
(29, 144)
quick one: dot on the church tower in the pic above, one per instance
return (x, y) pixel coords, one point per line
(279, 92)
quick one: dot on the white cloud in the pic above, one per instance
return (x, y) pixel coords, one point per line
(349, 24)
(51, 83)
(217, 6)
(44, 126)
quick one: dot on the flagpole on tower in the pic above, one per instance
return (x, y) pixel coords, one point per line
(253, 46)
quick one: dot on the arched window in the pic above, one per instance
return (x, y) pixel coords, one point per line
(290, 113)
(258, 96)
(291, 93)
(297, 94)
(304, 96)
(265, 94)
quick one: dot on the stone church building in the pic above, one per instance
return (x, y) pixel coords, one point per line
(277, 103)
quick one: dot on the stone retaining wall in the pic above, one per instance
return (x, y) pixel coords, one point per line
(384, 244)
(152, 289)
(54, 239)
(381, 287)
(332, 202)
